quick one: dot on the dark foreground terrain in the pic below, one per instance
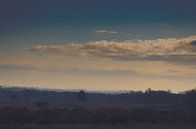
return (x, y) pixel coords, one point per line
(23, 108)
(132, 126)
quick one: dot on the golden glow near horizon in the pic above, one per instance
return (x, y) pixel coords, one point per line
(104, 65)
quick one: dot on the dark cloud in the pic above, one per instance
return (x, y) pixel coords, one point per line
(193, 43)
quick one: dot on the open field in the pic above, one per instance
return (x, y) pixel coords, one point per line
(131, 126)
(42, 109)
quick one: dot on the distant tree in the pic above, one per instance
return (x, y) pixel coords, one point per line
(81, 96)
(149, 90)
(169, 91)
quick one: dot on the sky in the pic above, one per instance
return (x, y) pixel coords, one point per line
(98, 44)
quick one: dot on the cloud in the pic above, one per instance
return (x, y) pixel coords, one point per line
(103, 71)
(106, 32)
(68, 70)
(45, 48)
(193, 43)
(19, 67)
(171, 49)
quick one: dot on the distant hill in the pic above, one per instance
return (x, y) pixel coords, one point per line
(16, 96)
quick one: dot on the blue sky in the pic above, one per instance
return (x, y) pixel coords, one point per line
(46, 26)
(68, 20)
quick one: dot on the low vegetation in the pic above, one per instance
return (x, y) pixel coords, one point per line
(42, 109)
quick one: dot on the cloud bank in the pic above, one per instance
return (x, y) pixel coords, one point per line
(171, 49)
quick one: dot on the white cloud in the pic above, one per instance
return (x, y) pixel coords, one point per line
(51, 48)
(171, 49)
(103, 31)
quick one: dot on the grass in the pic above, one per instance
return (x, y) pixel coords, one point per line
(130, 126)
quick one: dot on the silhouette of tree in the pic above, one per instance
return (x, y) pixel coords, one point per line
(149, 90)
(81, 96)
